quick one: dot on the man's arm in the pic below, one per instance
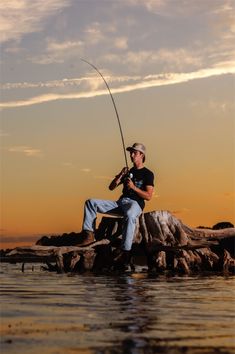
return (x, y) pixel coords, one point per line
(145, 194)
(118, 179)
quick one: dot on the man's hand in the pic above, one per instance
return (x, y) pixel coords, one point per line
(123, 172)
(130, 184)
(145, 194)
(118, 179)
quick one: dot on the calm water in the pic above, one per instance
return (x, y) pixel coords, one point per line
(50, 313)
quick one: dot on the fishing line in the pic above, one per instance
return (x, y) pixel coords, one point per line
(115, 108)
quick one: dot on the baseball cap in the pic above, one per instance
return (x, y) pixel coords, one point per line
(137, 147)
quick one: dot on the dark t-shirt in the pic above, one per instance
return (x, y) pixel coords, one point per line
(141, 178)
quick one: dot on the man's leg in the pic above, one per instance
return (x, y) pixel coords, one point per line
(94, 206)
(132, 211)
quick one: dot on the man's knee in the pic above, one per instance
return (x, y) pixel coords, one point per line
(132, 213)
(129, 216)
(90, 202)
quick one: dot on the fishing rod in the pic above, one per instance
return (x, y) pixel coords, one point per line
(115, 108)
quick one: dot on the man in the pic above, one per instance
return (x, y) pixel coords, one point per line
(138, 184)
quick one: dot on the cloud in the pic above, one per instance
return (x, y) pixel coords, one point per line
(68, 164)
(98, 32)
(18, 18)
(106, 178)
(26, 150)
(177, 59)
(144, 82)
(48, 84)
(59, 52)
(215, 106)
(94, 33)
(184, 8)
(155, 6)
(3, 133)
(85, 170)
(121, 43)
(91, 82)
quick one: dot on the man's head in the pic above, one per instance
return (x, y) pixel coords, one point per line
(137, 148)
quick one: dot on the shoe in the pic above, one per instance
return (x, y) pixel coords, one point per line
(117, 254)
(121, 259)
(87, 237)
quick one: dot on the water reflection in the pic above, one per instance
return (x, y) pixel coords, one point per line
(115, 314)
(132, 297)
(134, 300)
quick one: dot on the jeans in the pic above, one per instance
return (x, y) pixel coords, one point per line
(127, 207)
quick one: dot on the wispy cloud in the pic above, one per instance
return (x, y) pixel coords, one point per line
(106, 178)
(59, 52)
(68, 164)
(98, 32)
(49, 84)
(141, 83)
(94, 33)
(3, 133)
(18, 18)
(215, 106)
(121, 43)
(154, 6)
(85, 170)
(184, 8)
(167, 59)
(26, 150)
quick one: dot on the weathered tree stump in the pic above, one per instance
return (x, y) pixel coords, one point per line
(163, 241)
(170, 245)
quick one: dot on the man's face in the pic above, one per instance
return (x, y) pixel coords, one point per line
(136, 156)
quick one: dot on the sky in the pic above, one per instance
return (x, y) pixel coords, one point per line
(170, 65)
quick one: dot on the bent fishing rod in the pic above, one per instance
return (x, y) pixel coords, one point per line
(115, 108)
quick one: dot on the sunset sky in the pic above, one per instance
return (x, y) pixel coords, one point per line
(170, 65)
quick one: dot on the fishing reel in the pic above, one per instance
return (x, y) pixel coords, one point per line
(130, 175)
(127, 176)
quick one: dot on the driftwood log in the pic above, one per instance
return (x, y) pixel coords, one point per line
(162, 242)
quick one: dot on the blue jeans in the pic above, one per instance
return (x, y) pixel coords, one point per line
(127, 207)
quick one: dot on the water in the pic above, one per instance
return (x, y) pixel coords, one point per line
(134, 313)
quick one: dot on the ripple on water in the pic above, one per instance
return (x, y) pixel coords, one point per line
(132, 313)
